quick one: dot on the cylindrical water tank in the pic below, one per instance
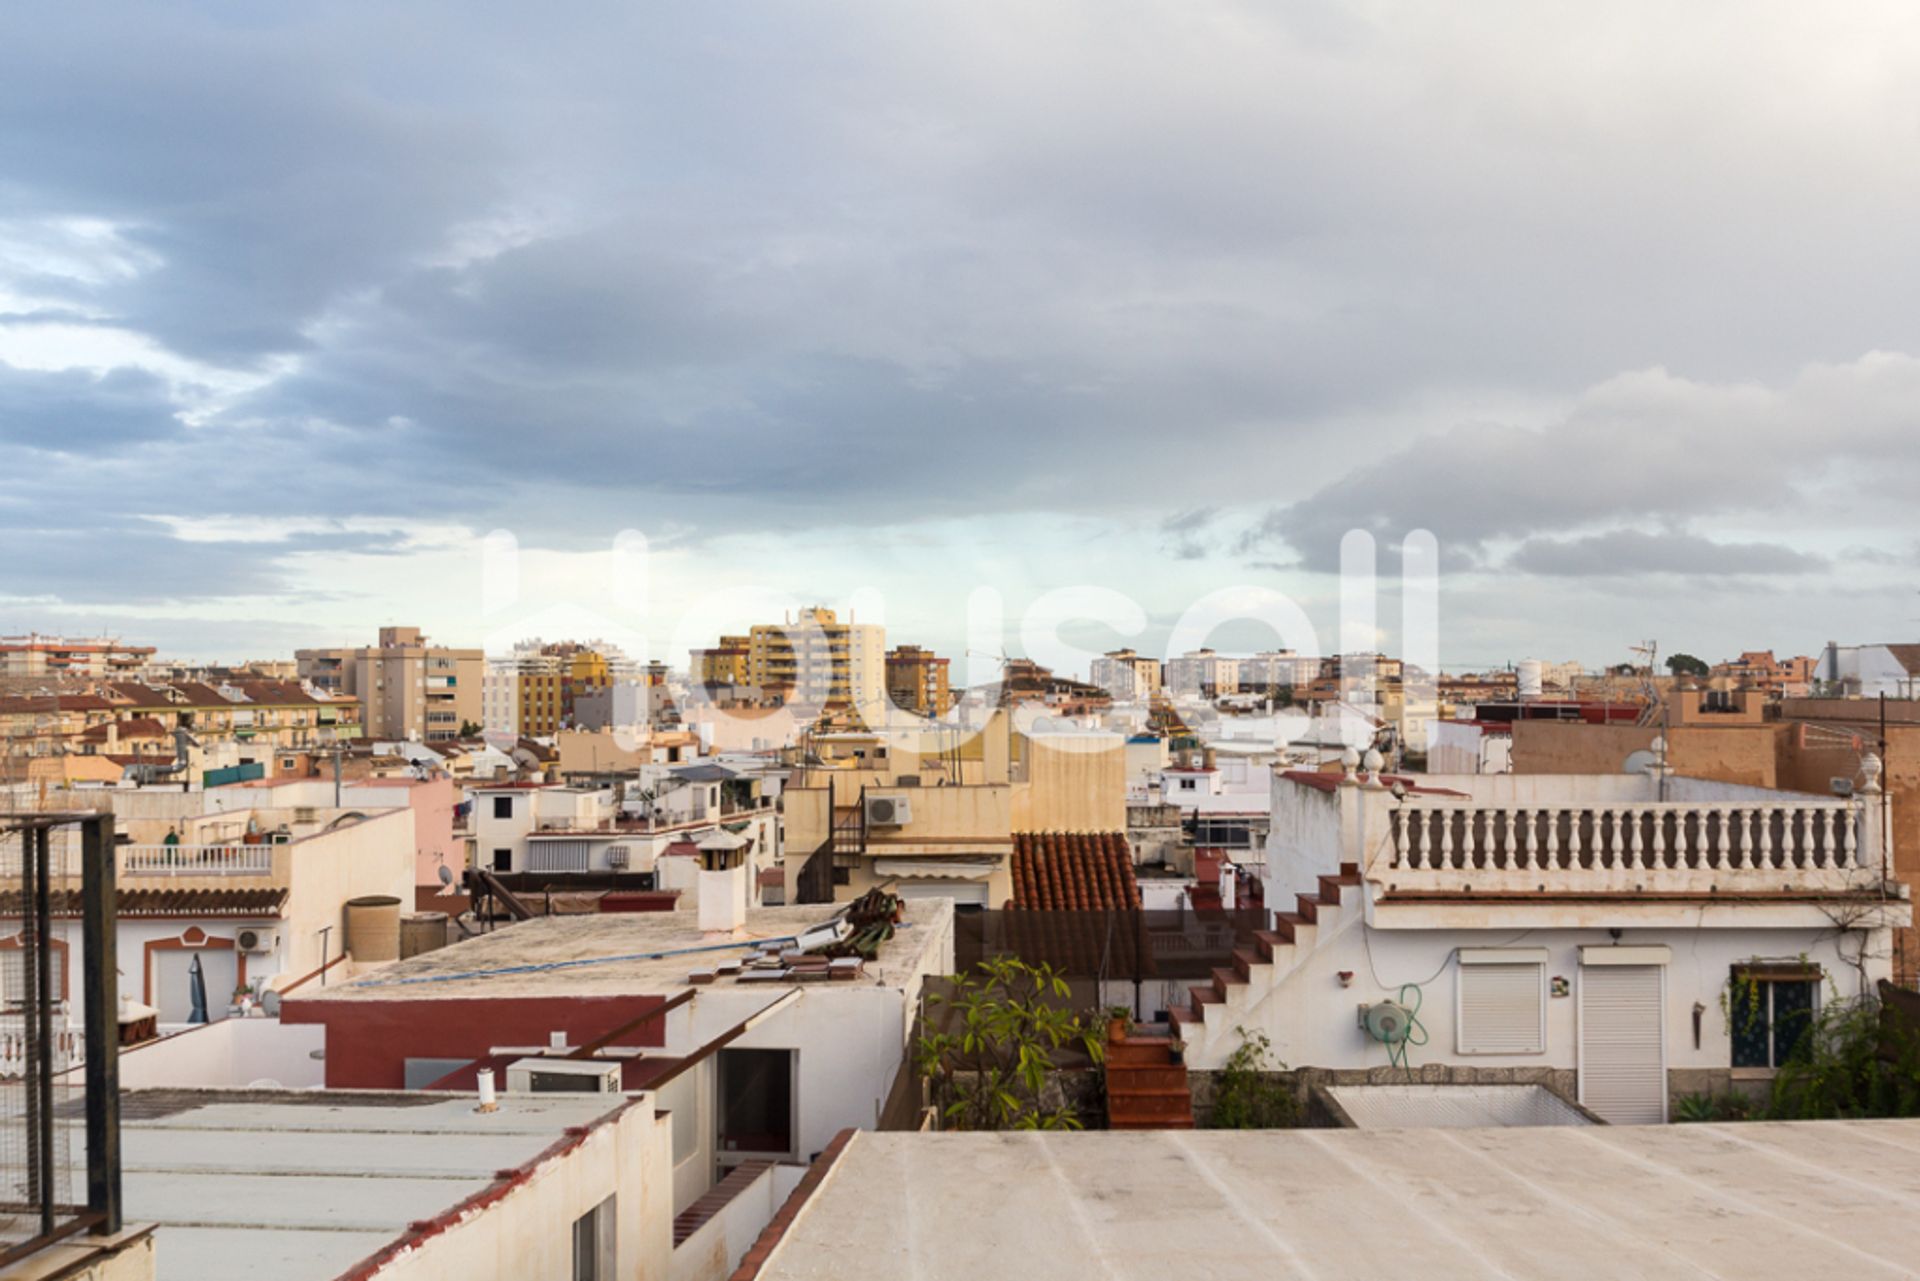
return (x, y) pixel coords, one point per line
(1532, 677)
(373, 928)
(422, 932)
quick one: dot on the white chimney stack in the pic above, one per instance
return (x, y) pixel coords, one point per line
(487, 1101)
(722, 886)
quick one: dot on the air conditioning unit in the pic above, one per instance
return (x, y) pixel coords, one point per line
(888, 811)
(563, 1076)
(617, 855)
(255, 940)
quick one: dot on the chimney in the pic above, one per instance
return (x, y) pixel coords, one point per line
(722, 885)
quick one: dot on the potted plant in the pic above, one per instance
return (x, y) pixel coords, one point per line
(1119, 1020)
(1176, 1049)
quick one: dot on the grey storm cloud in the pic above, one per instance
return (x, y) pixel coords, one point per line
(1636, 553)
(73, 412)
(760, 266)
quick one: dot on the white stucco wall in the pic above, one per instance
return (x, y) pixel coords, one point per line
(528, 1232)
(1313, 1019)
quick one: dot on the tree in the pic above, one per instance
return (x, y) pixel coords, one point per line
(1686, 665)
(990, 1072)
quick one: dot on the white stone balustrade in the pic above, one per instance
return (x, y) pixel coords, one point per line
(1642, 846)
(137, 861)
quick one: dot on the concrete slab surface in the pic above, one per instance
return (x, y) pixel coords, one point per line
(620, 953)
(302, 1188)
(1741, 1201)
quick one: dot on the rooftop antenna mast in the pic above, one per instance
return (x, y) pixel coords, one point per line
(1650, 650)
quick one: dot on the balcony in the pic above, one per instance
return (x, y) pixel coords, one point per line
(1792, 844)
(196, 860)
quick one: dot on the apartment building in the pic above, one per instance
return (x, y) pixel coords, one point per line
(816, 660)
(917, 681)
(1759, 669)
(725, 664)
(34, 656)
(1127, 675)
(941, 813)
(548, 683)
(1277, 669)
(408, 688)
(1201, 673)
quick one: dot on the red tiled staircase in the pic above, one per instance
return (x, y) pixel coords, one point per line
(1282, 937)
(1146, 1086)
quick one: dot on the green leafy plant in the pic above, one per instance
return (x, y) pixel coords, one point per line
(1730, 1106)
(1247, 1096)
(1852, 1061)
(988, 1071)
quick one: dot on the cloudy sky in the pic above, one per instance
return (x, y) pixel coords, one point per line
(879, 304)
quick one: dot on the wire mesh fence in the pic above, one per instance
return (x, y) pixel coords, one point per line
(44, 1185)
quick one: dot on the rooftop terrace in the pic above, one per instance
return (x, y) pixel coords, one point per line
(626, 953)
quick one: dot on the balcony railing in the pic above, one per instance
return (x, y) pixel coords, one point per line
(196, 860)
(1672, 846)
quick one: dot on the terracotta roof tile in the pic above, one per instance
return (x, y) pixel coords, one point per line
(167, 902)
(1073, 871)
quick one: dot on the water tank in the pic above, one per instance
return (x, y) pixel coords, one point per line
(422, 932)
(1532, 677)
(373, 928)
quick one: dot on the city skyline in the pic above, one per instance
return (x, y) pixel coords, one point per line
(296, 308)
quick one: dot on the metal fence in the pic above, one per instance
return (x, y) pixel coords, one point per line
(59, 1136)
(1142, 958)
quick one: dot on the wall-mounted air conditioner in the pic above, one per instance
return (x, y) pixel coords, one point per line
(255, 940)
(888, 811)
(563, 1076)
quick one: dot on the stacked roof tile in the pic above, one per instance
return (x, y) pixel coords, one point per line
(165, 902)
(1073, 872)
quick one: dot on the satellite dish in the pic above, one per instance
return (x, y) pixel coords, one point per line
(446, 874)
(1640, 763)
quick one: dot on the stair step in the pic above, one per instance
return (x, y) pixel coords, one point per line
(1182, 1017)
(1244, 959)
(1142, 1052)
(1224, 978)
(1168, 1076)
(1306, 908)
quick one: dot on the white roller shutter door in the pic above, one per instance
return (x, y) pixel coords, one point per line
(1623, 1073)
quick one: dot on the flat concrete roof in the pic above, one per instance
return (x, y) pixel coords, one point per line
(301, 1186)
(1740, 1201)
(498, 963)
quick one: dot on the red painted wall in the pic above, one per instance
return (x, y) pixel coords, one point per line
(369, 1042)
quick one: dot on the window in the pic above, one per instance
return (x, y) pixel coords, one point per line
(1186, 785)
(1770, 1012)
(503, 860)
(1502, 1001)
(503, 807)
(593, 1258)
